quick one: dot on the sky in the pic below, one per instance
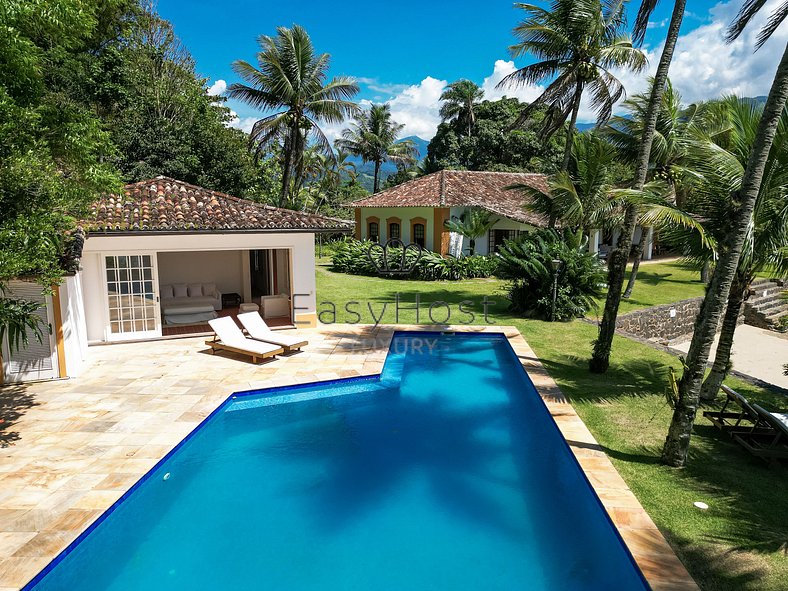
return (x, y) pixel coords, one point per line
(404, 52)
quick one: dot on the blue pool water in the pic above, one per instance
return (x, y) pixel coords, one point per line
(444, 473)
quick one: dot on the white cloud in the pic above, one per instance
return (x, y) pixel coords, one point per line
(501, 69)
(217, 88)
(417, 107)
(705, 67)
(245, 124)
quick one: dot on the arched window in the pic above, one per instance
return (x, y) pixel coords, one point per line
(418, 235)
(394, 230)
(373, 231)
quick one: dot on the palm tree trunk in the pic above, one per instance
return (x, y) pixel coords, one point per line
(376, 184)
(287, 166)
(722, 358)
(677, 443)
(600, 360)
(638, 251)
(570, 133)
(298, 165)
(705, 273)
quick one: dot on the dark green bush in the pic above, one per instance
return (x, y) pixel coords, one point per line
(527, 263)
(352, 257)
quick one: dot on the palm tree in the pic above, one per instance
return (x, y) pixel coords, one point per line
(459, 99)
(474, 224)
(578, 197)
(583, 198)
(577, 43)
(677, 442)
(674, 128)
(373, 137)
(617, 266)
(721, 164)
(331, 178)
(291, 78)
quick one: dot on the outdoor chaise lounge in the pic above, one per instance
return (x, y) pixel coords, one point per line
(259, 330)
(736, 415)
(770, 440)
(229, 337)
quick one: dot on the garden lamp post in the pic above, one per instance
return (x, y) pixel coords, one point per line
(556, 266)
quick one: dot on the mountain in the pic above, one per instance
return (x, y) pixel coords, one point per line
(421, 145)
(366, 170)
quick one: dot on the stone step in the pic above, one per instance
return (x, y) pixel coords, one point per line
(764, 305)
(770, 293)
(776, 315)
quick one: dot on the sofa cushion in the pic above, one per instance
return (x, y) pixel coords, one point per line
(208, 289)
(188, 301)
(180, 290)
(195, 290)
(166, 292)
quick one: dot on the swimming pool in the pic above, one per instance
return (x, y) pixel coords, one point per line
(444, 472)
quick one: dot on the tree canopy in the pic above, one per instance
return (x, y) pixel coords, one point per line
(492, 145)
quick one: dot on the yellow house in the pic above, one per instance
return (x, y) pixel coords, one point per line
(417, 210)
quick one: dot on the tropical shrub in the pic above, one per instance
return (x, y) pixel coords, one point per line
(527, 262)
(353, 257)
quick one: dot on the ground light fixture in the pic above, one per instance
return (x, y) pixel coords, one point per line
(556, 263)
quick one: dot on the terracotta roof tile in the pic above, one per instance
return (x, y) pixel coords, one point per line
(464, 188)
(168, 205)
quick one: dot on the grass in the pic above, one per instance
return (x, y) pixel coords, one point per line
(740, 542)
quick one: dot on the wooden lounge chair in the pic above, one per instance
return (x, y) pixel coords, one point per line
(228, 337)
(771, 444)
(259, 330)
(736, 415)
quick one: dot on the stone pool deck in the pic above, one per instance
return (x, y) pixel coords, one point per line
(71, 448)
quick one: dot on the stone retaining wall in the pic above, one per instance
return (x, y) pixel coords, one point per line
(663, 323)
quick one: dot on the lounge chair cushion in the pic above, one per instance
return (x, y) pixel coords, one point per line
(258, 329)
(230, 335)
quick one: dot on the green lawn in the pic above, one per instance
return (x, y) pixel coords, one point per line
(740, 542)
(661, 283)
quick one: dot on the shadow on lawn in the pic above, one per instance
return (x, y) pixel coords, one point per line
(635, 378)
(14, 401)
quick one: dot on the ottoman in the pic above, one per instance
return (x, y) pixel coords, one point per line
(185, 314)
(248, 307)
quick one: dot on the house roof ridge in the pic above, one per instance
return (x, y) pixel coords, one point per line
(165, 204)
(460, 188)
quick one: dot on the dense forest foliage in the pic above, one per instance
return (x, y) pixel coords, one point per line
(493, 143)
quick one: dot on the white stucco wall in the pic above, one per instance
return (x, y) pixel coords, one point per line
(72, 311)
(483, 243)
(223, 267)
(300, 246)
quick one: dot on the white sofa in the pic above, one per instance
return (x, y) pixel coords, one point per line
(182, 295)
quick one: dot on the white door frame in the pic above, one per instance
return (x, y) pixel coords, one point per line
(48, 335)
(135, 335)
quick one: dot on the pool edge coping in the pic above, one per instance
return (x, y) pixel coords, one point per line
(656, 560)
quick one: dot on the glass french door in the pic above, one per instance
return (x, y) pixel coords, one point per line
(132, 296)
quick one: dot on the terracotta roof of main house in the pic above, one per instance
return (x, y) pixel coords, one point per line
(464, 188)
(167, 205)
